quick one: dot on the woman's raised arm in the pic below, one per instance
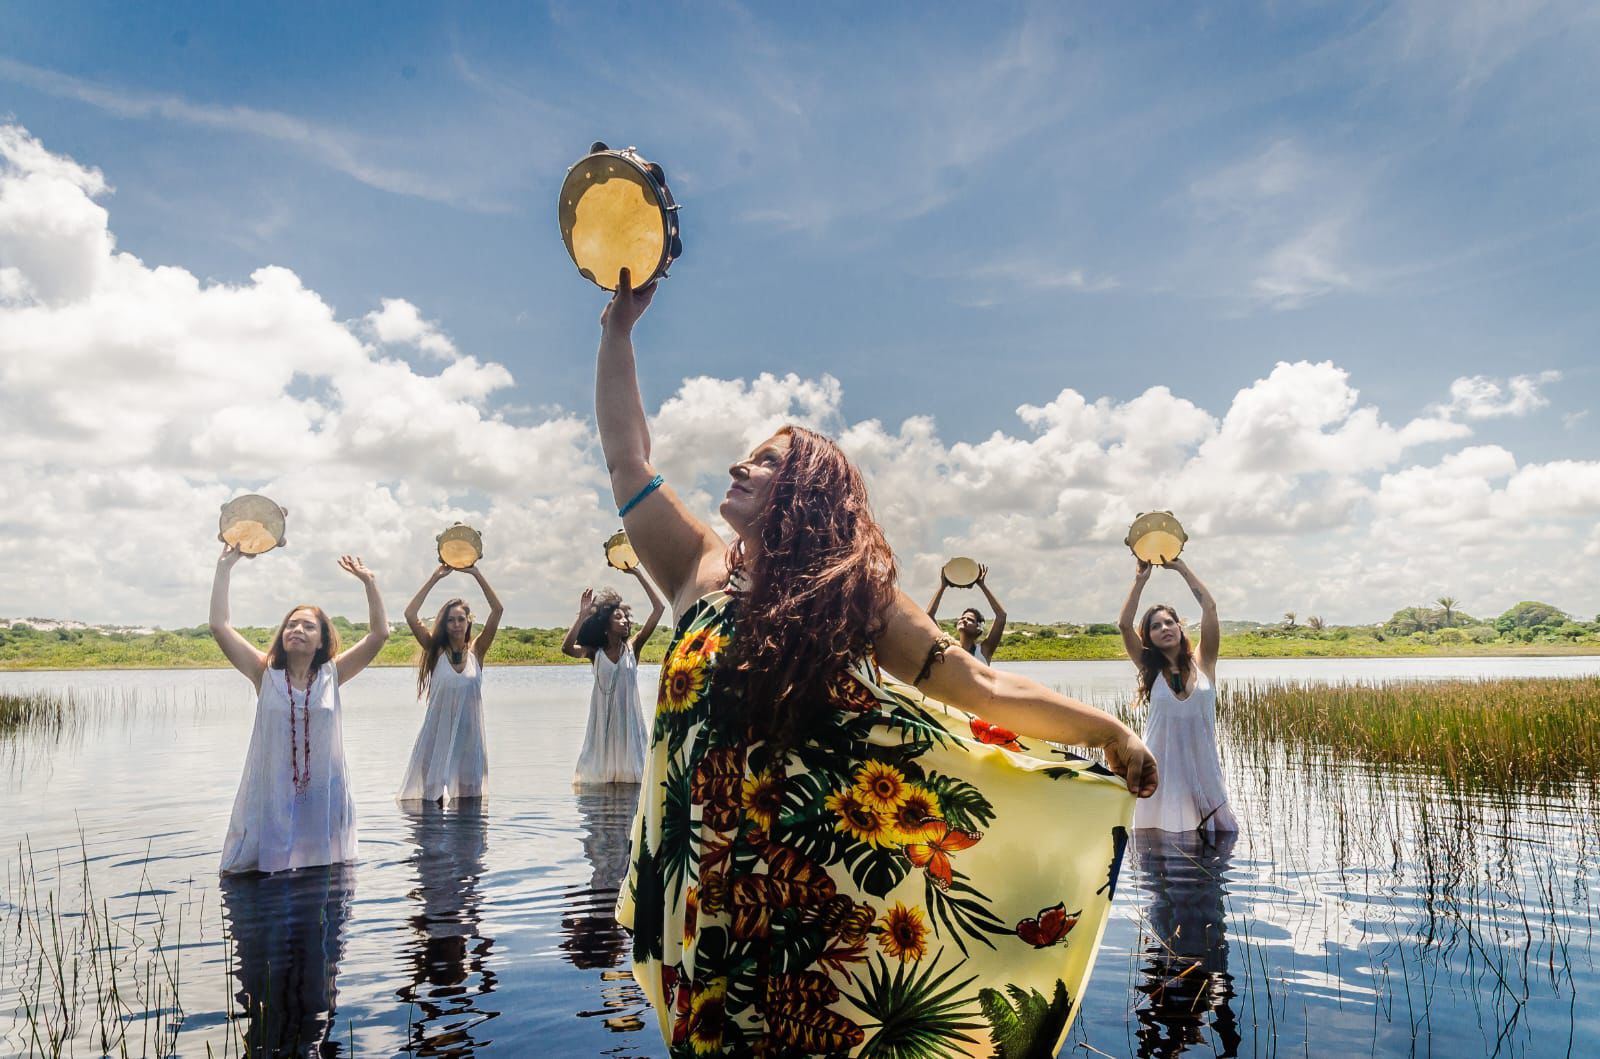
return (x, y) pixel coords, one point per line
(357, 657)
(569, 646)
(241, 653)
(997, 628)
(485, 638)
(1210, 624)
(1130, 610)
(657, 607)
(414, 608)
(671, 542)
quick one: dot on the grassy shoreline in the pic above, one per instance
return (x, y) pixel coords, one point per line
(524, 647)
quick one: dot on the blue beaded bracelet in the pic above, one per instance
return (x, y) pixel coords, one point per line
(652, 486)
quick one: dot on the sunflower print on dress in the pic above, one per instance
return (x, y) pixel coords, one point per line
(896, 884)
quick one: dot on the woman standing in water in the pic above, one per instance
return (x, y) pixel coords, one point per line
(969, 627)
(823, 861)
(614, 744)
(294, 808)
(1181, 693)
(449, 756)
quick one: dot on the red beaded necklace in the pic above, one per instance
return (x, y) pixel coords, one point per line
(299, 748)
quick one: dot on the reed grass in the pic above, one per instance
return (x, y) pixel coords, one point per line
(1513, 732)
(34, 710)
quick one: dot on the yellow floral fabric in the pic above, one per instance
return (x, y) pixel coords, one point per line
(910, 880)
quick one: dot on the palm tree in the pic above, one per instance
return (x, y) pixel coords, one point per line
(1448, 605)
(1316, 623)
(1288, 619)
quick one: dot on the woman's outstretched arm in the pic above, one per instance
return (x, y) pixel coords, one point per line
(241, 653)
(1130, 610)
(356, 658)
(657, 608)
(997, 628)
(1007, 699)
(491, 625)
(672, 543)
(569, 646)
(1210, 624)
(414, 608)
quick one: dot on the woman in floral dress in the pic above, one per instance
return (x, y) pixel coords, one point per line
(824, 862)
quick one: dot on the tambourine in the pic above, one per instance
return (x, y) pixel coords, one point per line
(252, 523)
(1156, 537)
(460, 546)
(619, 553)
(962, 572)
(616, 212)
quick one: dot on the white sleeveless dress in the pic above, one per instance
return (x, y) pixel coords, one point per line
(1182, 734)
(276, 824)
(449, 757)
(614, 746)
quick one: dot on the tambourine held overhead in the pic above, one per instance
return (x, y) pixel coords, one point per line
(962, 572)
(1156, 537)
(252, 523)
(619, 552)
(616, 212)
(460, 547)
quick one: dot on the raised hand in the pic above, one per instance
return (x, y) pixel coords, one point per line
(626, 305)
(1143, 571)
(352, 564)
(586, 601)
(983, 572)
(230, 555)
(444, 571)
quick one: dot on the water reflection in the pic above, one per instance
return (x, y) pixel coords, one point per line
(1186, 984)
(592, 936)
(447, 955)
(288, 938)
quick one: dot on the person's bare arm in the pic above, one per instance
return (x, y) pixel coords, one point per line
(1007, 699)
(1130, 610)
(657, 608)
(414, 608)
(485, 638)
(997, 628)
(933, 604)
(240, 653)
(676, 548)
(569, 646)
(356, 658)
(1210, 624)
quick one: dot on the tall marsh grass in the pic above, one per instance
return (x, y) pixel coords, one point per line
(34, 710)
(1517, 733)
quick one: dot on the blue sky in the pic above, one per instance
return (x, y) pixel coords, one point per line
(952, 210)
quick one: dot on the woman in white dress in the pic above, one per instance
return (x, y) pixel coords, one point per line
(1180, 690)
(294, 808)
(969, 627)
(449, 756)
(616, 740)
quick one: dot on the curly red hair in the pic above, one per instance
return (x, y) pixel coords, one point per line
(819, 589)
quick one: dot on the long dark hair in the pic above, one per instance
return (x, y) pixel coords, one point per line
(438, 640)
(1153, 661)
(818, 591)
(278, 658)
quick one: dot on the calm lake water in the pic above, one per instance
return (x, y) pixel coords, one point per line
(1352, 916)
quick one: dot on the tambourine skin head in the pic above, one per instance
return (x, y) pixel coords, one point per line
(460, 547)
(619, 552)
(1156, 537)
(961, 572)
(615, 212)
(252, 523)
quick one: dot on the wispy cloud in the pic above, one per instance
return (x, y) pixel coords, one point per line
(340, 151)
(1480, 397)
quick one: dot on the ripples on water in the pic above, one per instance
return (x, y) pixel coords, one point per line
(1359, 913)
